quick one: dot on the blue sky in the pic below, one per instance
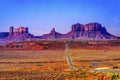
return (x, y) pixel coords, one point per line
(42, 15)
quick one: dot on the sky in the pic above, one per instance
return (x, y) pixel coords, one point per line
(40, 16)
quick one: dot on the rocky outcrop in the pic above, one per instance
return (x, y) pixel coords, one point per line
(88, 31)
(79, 31)
(52, 35)
(16, 35)
(21, 33)
(17, 31)
(3, 35)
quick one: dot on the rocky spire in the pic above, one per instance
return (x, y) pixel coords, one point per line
(53, 31)
(11, 30)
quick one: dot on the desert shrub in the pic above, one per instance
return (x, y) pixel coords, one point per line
(115, 77)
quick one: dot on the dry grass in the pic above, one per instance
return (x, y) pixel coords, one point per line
(52, 62)
(51, 56)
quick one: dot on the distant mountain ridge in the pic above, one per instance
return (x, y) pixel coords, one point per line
(90, 31)
(3, 34)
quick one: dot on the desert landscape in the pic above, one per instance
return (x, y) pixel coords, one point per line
(92, 63)
(86, 52)
(60, 40)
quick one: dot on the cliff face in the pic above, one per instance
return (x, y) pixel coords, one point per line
(18, 31)
(91, 31)
(15, 35)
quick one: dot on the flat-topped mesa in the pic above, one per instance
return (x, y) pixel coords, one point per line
(18, 31)
(90, 31)
(92, 27)
(21, 30)
(87, 27)
(95, 27)
(77, 27)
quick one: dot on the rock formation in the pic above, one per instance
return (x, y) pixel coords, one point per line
(18, 31)
(3, 35)
(52, 35)
(90, 31)
(16, 35)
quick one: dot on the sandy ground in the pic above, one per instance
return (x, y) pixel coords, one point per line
(52, 64)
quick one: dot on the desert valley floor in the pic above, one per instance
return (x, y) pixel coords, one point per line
(52, 65)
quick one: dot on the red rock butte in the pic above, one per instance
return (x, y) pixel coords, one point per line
(90, 31)
(17, 31)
